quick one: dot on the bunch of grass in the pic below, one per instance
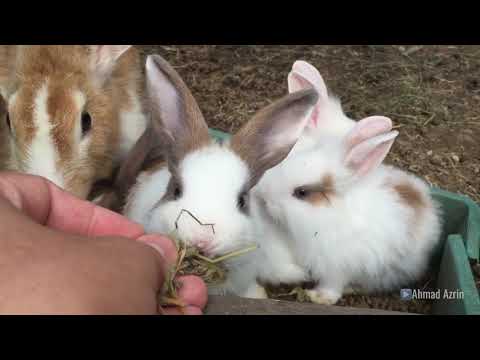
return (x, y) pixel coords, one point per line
(190, 262)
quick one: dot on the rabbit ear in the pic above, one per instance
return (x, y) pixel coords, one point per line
(178, 121)
(7, 66)
(103, 59)
(304, 76)
(270, 135)
(145, 151)
(368, 144)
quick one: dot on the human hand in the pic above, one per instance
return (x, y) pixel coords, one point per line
(62, 255)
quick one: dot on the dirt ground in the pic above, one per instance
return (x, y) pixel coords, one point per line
(432, 94)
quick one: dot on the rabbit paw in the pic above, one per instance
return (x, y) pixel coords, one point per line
(324, 296)
(256, 292)
(291, 273)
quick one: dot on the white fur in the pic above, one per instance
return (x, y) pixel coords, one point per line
(43, 155)
(333, 125)
(203, 173)
(212, 179)
(132, 125)
(366, 237)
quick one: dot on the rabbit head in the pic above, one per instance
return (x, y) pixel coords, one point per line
(197, 186)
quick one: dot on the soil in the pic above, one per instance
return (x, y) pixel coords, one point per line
(390, 301)
(432, 94)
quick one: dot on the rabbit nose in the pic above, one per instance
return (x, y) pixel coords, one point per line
(204, 245)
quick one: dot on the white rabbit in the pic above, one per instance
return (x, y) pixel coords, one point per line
(333, 214)
(178, 178)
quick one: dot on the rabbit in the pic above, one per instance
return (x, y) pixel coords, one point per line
(73, 111)
(328, 108)
(335, 215)
(177, 178)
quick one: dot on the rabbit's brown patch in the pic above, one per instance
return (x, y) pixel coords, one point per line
(63, 114)
(410, 195)
(158, 165)
(322, 192)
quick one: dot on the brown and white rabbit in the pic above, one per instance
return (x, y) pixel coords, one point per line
(74, 111)
(333, 214)
(182, 178)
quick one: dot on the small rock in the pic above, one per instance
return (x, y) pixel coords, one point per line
(231, 80)
(455, 158)
(436, 160)
(429, 153)
(472, 84)
(414, 168)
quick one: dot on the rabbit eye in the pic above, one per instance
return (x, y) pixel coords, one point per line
(301, 193)
(8, 122)
(86, 123)
(177, 192)
(242, 201)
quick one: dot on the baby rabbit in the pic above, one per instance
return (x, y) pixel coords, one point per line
(74, 111)
(335, 215)
(328, 109)
(185, 181)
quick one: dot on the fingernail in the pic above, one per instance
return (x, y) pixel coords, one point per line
(154, 245)
(163, 245)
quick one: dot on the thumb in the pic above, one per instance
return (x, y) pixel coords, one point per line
(163, 245)
(165, 251)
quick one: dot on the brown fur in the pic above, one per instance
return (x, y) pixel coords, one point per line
(321, 193)
(67, 69)
(192, 132)
(249, 142)
(157, 166)
(3, 136)
(411, 196)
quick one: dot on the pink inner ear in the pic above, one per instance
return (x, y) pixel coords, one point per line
(314, 117)
(369, 154)
(374, 159)
(297, 82)
(312, 75)
(368, 128)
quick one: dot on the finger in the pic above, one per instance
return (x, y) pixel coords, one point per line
(85, 218)
(165, 257)
(193, 291)
(188, 310)
(48, 205)
(162, 244)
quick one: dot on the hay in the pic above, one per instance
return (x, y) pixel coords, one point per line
(190, 262)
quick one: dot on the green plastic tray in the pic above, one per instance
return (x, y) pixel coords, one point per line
(460, 244)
